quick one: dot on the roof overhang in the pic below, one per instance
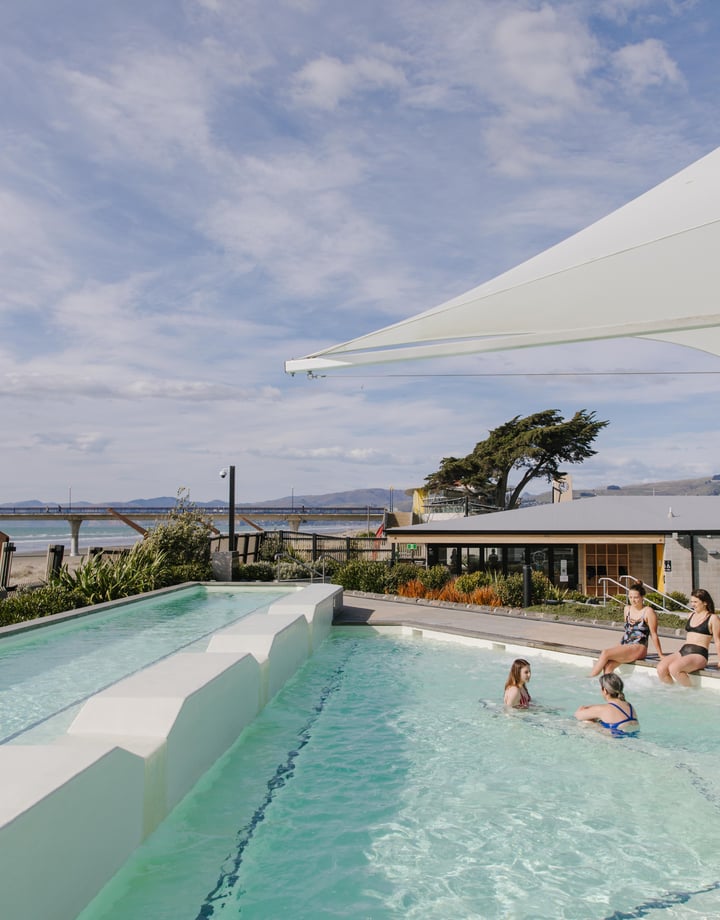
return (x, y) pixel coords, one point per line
(469, 538)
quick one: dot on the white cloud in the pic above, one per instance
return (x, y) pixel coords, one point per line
(192, 193)
(326, 82)
(334, 453)
(155, 105)
(87, 442)
(646, 64)
(32, 264)
(546, 54)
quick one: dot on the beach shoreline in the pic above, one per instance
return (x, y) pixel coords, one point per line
(30, 568)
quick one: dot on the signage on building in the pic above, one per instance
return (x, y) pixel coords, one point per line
(668, 565)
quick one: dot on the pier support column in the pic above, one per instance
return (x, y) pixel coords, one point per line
(75, 523)
(294, 522)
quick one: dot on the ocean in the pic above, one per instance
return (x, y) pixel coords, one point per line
(34, 537)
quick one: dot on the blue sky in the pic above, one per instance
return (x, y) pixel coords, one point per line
(194, 191)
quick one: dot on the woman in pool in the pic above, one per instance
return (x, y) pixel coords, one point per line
(702, 626)
(516, 692)
(640, 623)
(615, 714)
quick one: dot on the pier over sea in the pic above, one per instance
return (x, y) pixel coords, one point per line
(249, 513)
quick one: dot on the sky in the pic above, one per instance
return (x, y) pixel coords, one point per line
(194, 191)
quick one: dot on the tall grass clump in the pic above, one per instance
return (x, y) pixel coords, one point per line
(101, 578)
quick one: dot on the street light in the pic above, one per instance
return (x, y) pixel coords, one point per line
(230, 473)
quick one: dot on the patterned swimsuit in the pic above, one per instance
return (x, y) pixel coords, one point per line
(636, 632)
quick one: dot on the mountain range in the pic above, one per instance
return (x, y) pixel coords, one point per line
(355, 498)
(401, 499)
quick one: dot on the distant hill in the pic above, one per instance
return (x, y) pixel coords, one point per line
(702, 486)
(355, 498)
(360, 498)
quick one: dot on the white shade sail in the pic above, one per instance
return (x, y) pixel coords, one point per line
(651, 269)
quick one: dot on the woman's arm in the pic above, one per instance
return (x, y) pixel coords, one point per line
(589, 713)
(652, 622)
(512, 696)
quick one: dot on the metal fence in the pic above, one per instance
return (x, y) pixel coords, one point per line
(311, 546)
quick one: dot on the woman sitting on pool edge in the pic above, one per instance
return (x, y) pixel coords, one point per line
(702, 626)
(615, 714)
(641, 622)
(516, 692)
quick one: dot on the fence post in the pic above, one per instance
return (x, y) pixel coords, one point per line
(314, 547)
(6, 551)
(54, 560)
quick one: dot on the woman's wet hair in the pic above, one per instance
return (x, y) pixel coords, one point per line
(702, 595)
(639, 587)
(613, 686)
(514, 679)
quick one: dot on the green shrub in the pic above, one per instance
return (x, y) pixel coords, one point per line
(578, 596)
(509, 589)
(673, 601)
(103, 578)
(679, 601)
(543, 589)
(466, 584)
(254, 571)
(434, 578)
(270, 546)
(31, 603)
(400, 574)
(287, 570)
(363, 575)
(189, 571)
(183, 535)
(328, 564)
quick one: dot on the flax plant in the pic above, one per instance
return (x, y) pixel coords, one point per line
(103, 578)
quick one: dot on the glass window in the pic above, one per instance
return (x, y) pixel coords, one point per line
(515, 559)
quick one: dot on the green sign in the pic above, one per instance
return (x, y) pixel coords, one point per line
(412, 546)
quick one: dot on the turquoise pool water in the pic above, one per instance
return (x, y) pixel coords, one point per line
(386, 781)
(46, 673)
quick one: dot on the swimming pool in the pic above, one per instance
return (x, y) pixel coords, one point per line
(46, 673)
(387, 781)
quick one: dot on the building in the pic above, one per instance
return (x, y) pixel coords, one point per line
(671, 543)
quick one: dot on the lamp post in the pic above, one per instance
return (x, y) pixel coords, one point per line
(231, 508)
(222, 562)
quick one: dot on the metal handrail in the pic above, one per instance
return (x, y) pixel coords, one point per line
(630, 579)
(321, 558)
(297, 561)
(604, 580)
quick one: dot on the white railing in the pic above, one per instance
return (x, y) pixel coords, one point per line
(625, 581)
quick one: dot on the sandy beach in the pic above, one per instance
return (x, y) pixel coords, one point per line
(31, 568)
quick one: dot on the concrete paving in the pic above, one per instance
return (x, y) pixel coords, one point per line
(501, 625)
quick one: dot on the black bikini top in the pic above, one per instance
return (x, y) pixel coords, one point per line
(703, 629)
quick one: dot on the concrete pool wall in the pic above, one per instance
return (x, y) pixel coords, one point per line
(72, 811)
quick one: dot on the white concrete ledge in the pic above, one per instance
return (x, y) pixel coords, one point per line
(71, 815)
(318, 604)
(195, 706)
(72, 811)
(280, 644)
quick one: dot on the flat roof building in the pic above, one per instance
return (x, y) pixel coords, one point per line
(593, 545)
